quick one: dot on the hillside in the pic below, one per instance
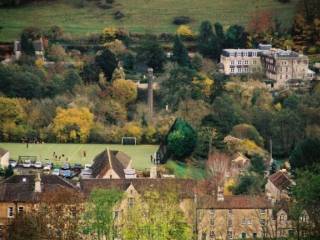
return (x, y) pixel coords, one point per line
(140, 15)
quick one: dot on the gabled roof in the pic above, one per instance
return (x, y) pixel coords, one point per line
(234, 202)
(116, 160)
(2, 152)
(20, 188)
(183, 187)
(281, 180)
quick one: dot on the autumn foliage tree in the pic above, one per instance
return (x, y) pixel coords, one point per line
(156, 216)
(260, 22)
(124, 91)
(72, 124)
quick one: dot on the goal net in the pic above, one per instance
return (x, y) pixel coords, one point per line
(129, 141)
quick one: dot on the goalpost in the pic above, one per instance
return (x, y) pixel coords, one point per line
(129, 141)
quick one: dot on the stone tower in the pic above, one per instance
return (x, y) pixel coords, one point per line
(150, 77)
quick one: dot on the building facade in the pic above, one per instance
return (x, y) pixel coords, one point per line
(284, 68)
(233, 217)
(278, 185)
(4, 158)
(240, 61)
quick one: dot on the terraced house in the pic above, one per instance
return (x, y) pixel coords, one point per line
(233, 217)
(23, 193)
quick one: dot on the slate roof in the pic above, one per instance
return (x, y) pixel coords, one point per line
(183, 187)
(20, 188)
(281, 180)
(234, 202)
(118, 162)
(2, 152)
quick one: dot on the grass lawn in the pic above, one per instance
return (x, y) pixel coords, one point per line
(182, 170)
(140, 15)
(140, 153)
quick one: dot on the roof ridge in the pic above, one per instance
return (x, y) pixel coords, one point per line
(109, 158)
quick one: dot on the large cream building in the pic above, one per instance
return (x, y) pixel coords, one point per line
(239, 61)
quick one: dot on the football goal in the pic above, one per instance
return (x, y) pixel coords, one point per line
(129, 141)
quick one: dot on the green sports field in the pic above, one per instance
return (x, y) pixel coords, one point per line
(140, 154)
(141, 16)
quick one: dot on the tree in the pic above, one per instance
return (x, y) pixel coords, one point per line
(306, 154)
(257, 164)
(218, 164)
(236, 37)
(132, 129)
(306, 193)
(261, 22)
(178, 87)
(287, 130)
(71, 79)
(247, 131)
(249, 184)
(205, 39)
(227, 113)
(17, 81)
(98, 216)
(185, 32)
(151, 54)
(27, 37)
(182, 140)
(72, 124)
(124, 91)
(180, 53)
(8, 172)
(156, 216)
(107, 61)
(111, 112)
(56, 217)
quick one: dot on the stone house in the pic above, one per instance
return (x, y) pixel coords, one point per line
(278, 185)
(21, 193)
(285, 68)
(233, 217)
(4, 158)
(134, 190)
(112, 165)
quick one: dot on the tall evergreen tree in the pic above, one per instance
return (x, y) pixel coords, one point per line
(236, 37)
(205, 39)
(107, 61)
(180, 53)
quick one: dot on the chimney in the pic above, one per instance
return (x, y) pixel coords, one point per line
(150, 92)
(220, 196)
(37, 183)
(153, 172)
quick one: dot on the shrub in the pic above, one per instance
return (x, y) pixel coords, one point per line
(118, 15)
(181, 20)
(185, 32)
(109, 33)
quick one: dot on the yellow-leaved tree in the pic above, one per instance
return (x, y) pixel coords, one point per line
(124, 91)
(185, 31)
(72, 124)
(132, 129)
